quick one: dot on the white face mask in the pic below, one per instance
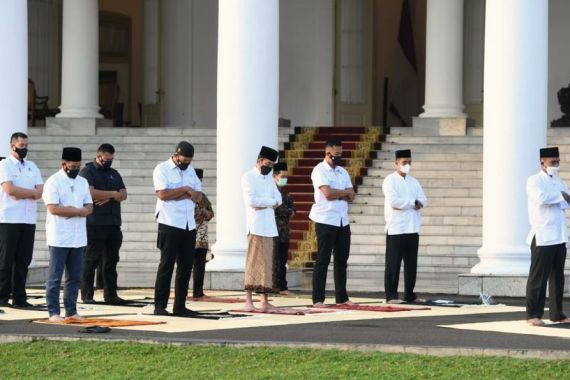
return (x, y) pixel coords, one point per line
(405, 168)
(552, 170)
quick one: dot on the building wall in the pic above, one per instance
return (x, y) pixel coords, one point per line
(189, 62)
(406, 85)
(306, 61)
(134, 9)
(558, 54)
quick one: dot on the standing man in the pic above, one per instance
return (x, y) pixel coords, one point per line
(333, 191)
(178, 189)
(261, 198)
(404, 198)
(203, 214)
(68, 202)
(282, 215)
(21, 186)
(548, 198)
(104, 236)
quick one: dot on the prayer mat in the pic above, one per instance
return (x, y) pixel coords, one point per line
(213, 316)
(128, 303)
(443, 303)
(40, 307)
(101, 322)
(558, 325)
(388, 309)
(219, 299)
(285, 311)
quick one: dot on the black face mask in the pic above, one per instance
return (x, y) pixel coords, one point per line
(22, 152)
(265, 170)
(106, 165)
(182, 165)
(336, 160)
(71, 173)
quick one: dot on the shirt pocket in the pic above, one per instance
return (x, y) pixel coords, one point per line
(174, 181)
(66, 198)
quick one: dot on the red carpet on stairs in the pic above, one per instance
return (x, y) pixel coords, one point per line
(303, 152)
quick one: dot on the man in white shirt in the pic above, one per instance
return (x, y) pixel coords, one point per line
(548, 198)
(21, 186)
(333, 190)
(261, 198)
(404, 198)
(68, 202)
(178, 189)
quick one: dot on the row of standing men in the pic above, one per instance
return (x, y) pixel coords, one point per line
(83, 227)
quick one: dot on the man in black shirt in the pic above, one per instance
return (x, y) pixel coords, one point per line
(104, 236)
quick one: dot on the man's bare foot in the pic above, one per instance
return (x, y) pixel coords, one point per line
(267, 306)
(319, 305)
(565, 320)
(535, 322)
(395, 301)
(286, 293)
(248, 307)
(349, 302)
(56, 318)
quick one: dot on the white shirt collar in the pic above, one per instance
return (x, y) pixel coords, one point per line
(15, 160)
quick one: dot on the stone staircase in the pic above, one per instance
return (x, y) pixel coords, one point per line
(450, 172)
(138, 150)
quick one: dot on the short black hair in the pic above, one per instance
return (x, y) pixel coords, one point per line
(106, 148)
(18, 135)
(333, 142)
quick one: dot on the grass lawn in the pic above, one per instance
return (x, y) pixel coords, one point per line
(95, 360)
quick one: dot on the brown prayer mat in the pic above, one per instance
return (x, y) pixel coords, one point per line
(343, 306)
(101, 322)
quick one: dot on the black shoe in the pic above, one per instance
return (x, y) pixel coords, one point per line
(160, 312)
(116, 301)
(4, 304)
(21, 305)
(184, 312)
(88, 301)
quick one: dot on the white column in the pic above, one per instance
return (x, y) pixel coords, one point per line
(13, 71)
(444, 59)
(80, 60)
(248, 101)
(515, 103)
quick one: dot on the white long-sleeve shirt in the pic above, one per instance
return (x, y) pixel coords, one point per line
(260, 191)
(401, 194)
(546, 207)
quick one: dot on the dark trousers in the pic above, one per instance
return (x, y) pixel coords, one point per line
(103, 245)
(335, 241)
(176, 246)
(199, 271)
(282, 254)
(401, 247)
(546, 266)
(16, 250)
